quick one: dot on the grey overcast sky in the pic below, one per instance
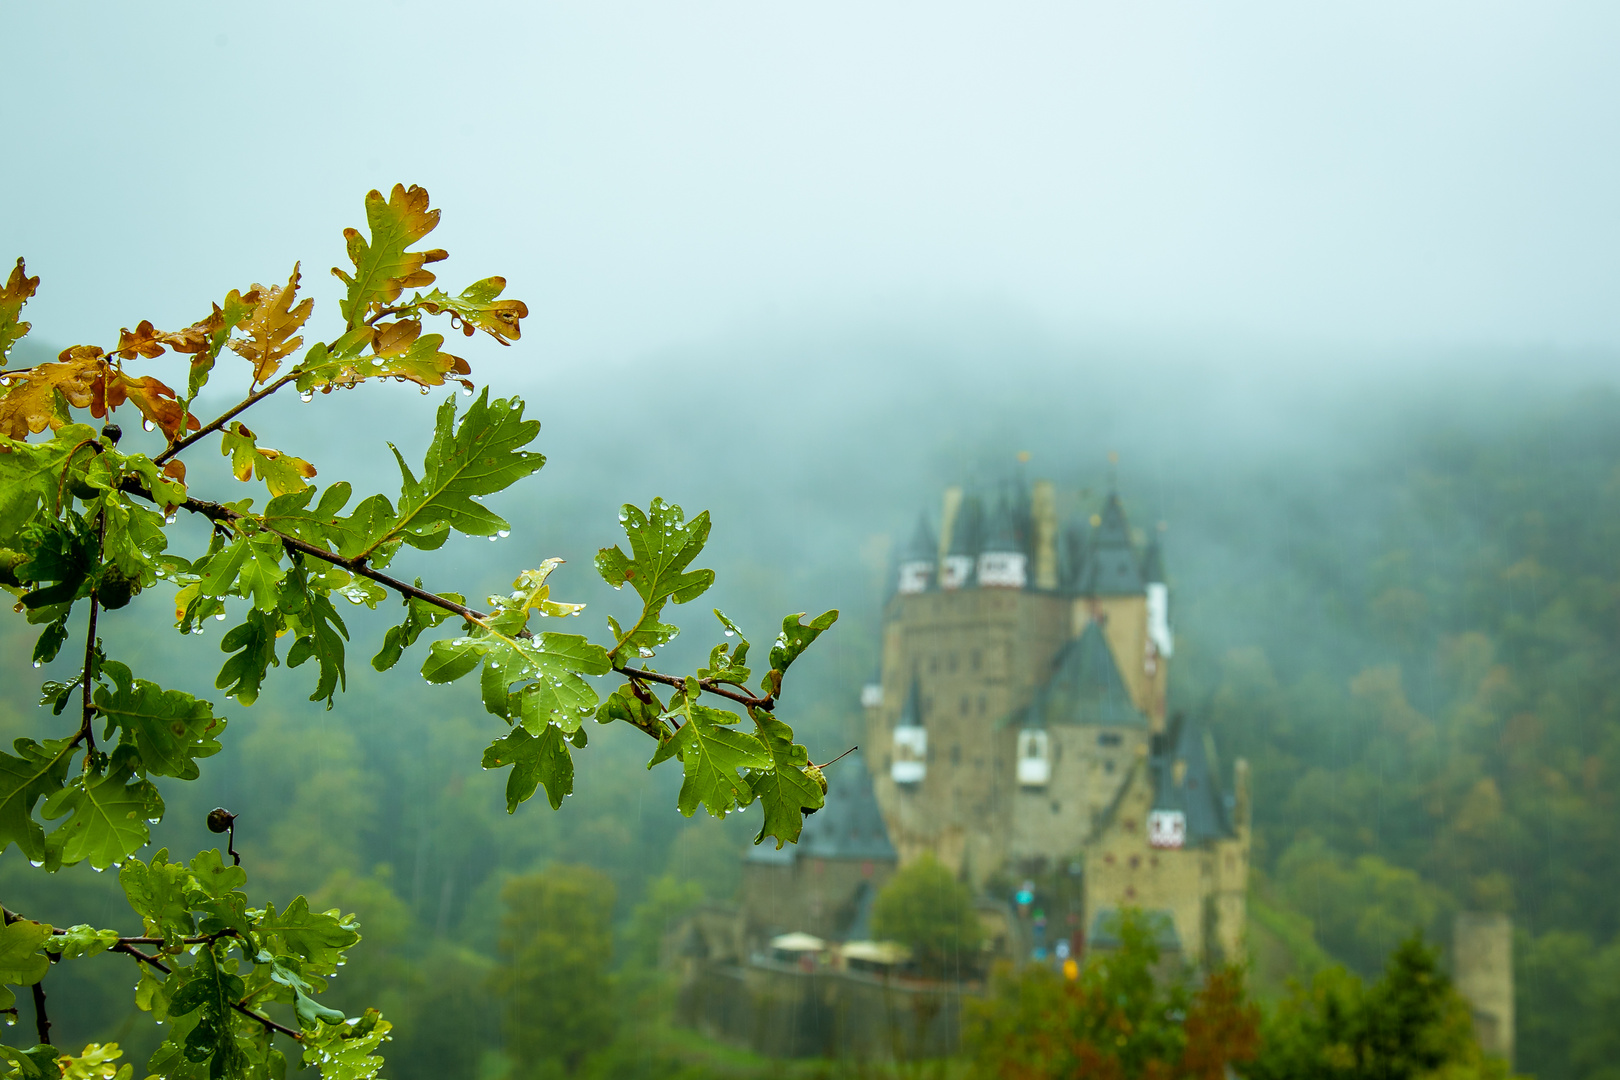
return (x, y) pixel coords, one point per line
(1408, 174)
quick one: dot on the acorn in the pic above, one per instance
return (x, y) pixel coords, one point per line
(115, 588)
(220, 819)
(813, 771)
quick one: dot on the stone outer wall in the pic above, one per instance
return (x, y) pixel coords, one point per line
(782, 1012)
(1482, 968)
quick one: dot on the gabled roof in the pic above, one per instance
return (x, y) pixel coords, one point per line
(1085, 687)
(1187, 777)
(848, 826)
(922, 547)
(1111, 567)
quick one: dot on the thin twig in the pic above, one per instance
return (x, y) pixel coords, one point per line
(224, 515)
(42, 1023)
(87, 733)
(230, 414)
(270, 1024)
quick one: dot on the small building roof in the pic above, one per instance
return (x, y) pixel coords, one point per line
(1085, 687)
(797, 942)
(1187, 777)
(1111, 567)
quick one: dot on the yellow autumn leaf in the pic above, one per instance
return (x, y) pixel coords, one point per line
(270, 328)
(29, 405)
(18, 288)
(281, 473)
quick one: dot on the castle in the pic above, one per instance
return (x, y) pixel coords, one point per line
(1022, 724)
(1019, 732)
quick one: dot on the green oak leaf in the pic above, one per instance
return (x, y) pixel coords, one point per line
(159, 893)
(317, 937)
(210, 991)
(712, 752)
(106, 815)
(309, 1011)
(480, 456)
(795, 637)
(32, 476)
(170, 728)
(21, 961)
(535, 760)
(727, 667)
(785, 791)
(662, 545)
(317, 629)
(17, 290)
(38, 1062)
(37, 770)
(347, 1051)
(83, 940)
(555, 663)
(419, 616)
(63, 552)
(253, 641)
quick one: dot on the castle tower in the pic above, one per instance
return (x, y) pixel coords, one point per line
(962, 553)
(1482, 968)
(1113, 594)
(1158, 642)
(1003, 560)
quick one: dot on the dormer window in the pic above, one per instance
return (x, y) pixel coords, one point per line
(1034, 758)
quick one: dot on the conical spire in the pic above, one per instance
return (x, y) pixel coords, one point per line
(967, 535)
(923, 547)
(1112, 567)
(1002, 535)
(1153, 563)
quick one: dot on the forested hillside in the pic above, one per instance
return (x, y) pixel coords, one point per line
(1402, 606)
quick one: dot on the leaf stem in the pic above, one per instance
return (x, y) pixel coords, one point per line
(225, 418)
(712, 686)
(86, 732)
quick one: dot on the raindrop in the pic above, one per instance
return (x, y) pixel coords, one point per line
(645, 652)
(493, 539)
(11, 1021)
(36, 862)
(730, 632)
(307, 396)
(504, 533)
(220, 616)
(147, 425)
(36, 663)
(425, 391)
(466, 392)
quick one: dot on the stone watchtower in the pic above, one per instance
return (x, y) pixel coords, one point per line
(1021, 716)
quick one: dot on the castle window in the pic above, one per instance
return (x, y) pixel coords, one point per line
(1108, 738)
(1108, 766)
(977, 659)
(933, 665)
(981, 704)
(1109, 858)
(950, 663)
(1034, 760)
(1136, 861)
(1057, 808)
(964, 704)
(956, 755)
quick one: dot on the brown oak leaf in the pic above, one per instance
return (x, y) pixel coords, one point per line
(271, 327)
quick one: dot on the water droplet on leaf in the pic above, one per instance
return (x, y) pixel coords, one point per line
(147, 425)
(307, 396)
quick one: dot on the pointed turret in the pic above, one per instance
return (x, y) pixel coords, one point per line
(1111, 566)
(917, 559)
(1004, 560)
(966, 543)
(1072, 555)
(850, 825)
(1188, 806)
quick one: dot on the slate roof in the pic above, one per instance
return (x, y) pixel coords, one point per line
(1194, 787)
(1003, 532)
(1153, 562)
(922, 547)
(1085, 687)
(1111, 566)
(967, 531)
(849, 826)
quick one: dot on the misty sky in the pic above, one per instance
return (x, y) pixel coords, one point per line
(1392, 174)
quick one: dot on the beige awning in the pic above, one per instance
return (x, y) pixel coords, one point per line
(876, 952)
(798, 943)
